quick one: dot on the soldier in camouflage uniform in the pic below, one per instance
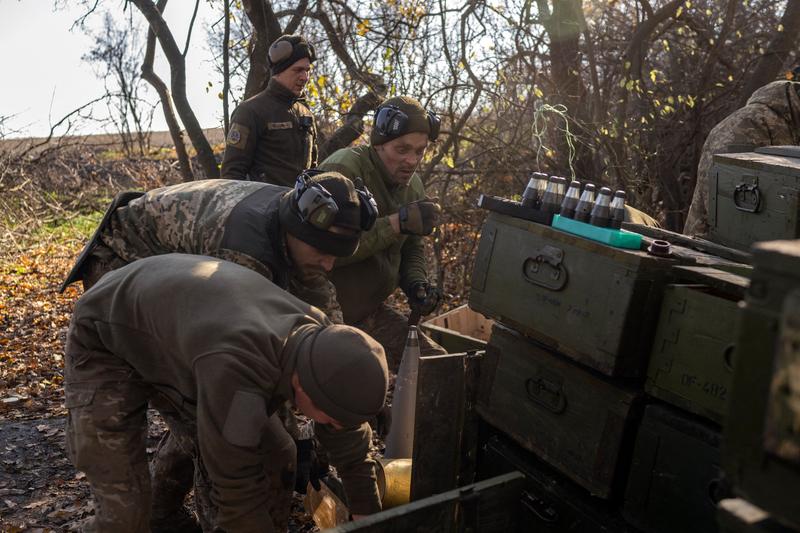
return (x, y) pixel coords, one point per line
(272, 136)
(218, 348)
(771, 117)
(392, 253)
(256, 225)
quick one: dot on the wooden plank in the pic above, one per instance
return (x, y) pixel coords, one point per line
(465, 321)
(726, 283)
(490, 506)
(437, 424)
(471, 419)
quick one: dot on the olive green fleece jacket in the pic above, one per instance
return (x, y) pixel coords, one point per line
(220, 341)
(384, 260)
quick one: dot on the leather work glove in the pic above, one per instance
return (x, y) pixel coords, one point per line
(423, 298)
(311, 467)
(420, 217)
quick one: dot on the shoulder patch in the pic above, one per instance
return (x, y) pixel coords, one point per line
(247, 418)
(279, 125)
(237, 135)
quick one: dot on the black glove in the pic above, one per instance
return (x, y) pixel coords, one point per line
(420, 217)
(423, 298)
(311, 466)
(382, 423)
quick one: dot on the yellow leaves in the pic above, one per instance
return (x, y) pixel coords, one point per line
(362, 28)
(665, 44)
(653, 74)
(537, 91)
(448, 160)
(730, 77)
(629, 85)
(780, 27)
(322, 80)
(679, 11)
(690, 100)
(688, 4)
(667, 109)
(709, 12)
(550, 153)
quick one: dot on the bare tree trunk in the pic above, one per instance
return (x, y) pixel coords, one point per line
(226, 54)
(564, 25)
(177, 65)
(266, 29)
(158, 84)
(777, 52)
(353, 125)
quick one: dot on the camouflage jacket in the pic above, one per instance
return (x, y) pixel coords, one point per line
(227, 381)
(771, 117)
(234, 220)
(272, 138)
(384, 260)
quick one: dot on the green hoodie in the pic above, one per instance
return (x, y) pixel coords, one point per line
(384, 260)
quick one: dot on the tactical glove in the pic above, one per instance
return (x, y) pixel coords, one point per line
(311, 467)
(423, 298)
(382, 423)
(420, 217)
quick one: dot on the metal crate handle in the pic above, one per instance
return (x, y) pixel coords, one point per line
(747, 197)
(547, 393)
(545, 268)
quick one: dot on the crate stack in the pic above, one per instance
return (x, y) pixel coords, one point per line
(761, 446)
(608, 373)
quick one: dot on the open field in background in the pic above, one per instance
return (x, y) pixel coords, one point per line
(158, 139)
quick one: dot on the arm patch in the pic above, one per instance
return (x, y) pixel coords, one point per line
(246, 420)
(237, 135)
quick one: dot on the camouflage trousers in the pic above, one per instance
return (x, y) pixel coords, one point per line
(390, 329)
(106, 438)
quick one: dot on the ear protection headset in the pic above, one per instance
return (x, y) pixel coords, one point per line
(316, 206)
(390, 121)
(281, 51)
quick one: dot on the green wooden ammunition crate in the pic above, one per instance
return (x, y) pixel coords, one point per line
(761, 476)
(691, 363)
(755, 196)
(594, 303)
(573, 418)
(735, 515)
(549, 501)
(675, 480)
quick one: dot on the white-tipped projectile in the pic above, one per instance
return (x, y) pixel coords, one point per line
(400, 440)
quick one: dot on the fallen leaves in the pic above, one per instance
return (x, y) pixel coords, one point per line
(34, 319)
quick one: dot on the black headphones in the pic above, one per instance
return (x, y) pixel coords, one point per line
(391, 121)
(316, 205)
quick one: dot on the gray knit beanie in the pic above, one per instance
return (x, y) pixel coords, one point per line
(343, 371)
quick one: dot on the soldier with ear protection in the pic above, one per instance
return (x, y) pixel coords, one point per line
(272, 137)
